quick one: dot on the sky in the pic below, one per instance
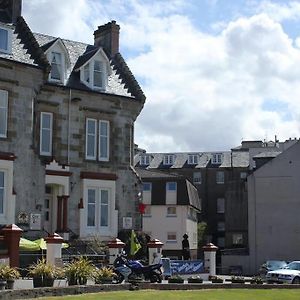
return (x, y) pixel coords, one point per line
(215, 72)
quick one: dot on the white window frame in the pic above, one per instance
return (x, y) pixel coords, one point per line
(171, 240)
(197, 179)
(107, 138)
(169, 159)
(170, 213)
(4, 191)
(217, 158)
(221, 206)
(150, 187)
(4, 108)
(193, 159)
(220, 177)
(168, 186)
(145, 160)
(90, 65)
(46, 153)
(60, 66)
(90, 157)
(98, 209)
(9, 40)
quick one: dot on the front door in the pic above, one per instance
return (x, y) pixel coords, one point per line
(48, 203)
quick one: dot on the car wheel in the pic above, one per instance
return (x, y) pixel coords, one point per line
(296, 280)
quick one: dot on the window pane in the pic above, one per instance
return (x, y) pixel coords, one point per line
(90, 146)
(146, 186)
(91, 139)
(3, 121)
(104, 208)
(103, 140)
(87, 73)
(56, 66)
(171, 186)
(91, 208)
(3, 39)
(46, 121)
(98, 74)
(45, 140)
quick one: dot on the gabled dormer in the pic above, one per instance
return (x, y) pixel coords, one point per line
(5, 39)
(58, 57)
(94, 68)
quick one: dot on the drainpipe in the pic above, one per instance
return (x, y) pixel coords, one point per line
(69, 124)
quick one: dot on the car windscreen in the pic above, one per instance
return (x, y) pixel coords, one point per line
(293, 266)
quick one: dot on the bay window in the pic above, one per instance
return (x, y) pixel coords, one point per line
(98, 207)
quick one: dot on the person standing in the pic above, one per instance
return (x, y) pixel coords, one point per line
(186, 247)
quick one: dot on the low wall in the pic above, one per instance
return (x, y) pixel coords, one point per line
(230, 262)
(77, 290)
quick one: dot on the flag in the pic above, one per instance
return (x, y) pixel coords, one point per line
(135, 246)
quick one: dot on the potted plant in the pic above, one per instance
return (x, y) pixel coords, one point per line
(43, 273)
(175, 279)
(216, 279)
(78, 271)
(256, 280)
(104, 275)
(10, 275)
(195, 279)
(237, 279)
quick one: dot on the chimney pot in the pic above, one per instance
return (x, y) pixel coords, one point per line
(107, 37)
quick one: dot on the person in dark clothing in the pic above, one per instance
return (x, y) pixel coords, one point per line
(186, 247)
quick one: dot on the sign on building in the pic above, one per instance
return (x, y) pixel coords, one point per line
(35, 221)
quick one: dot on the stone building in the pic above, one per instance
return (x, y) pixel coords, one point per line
(67, 113)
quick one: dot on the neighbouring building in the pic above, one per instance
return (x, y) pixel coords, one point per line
(273, 203)
(220, 181)
(67, 113)
(171, 207)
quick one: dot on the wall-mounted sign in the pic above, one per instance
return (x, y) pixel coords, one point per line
(127, 223)
(35, 221)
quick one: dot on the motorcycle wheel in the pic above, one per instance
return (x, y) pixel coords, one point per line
(119, 278)
(155, 278)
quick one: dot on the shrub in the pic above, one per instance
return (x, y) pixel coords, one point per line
(175, 279)
(103, 275)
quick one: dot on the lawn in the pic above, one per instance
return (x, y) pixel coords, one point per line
(190, 295)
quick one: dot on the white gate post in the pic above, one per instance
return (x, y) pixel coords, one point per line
(210, 258)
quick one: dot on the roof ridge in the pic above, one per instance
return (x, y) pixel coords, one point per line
(129, 79)
(31, 44)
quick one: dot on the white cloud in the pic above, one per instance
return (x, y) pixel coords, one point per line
(280, 11)
(204, 92)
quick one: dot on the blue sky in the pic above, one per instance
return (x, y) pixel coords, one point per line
(215, 72)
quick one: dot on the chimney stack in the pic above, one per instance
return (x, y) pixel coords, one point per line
(10, 10)
(107, 37)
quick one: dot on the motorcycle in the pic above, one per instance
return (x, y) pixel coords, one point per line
(133, 269)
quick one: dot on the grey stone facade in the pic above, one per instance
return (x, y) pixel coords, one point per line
(24, 75)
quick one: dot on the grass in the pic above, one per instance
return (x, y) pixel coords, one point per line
(241, 294)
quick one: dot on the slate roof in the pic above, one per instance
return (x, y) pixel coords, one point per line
(239, 159)
(28, 48)
(150, 174)
(269, 154)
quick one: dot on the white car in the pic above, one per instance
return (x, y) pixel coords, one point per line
(289, 274)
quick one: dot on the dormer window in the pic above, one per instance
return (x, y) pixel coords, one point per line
(193, 159)
(5, 40)
(145, 160)
(94, 74)
(59, 60)
(56, 66)
(94, 68)
(217, 158)
(169, 159)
